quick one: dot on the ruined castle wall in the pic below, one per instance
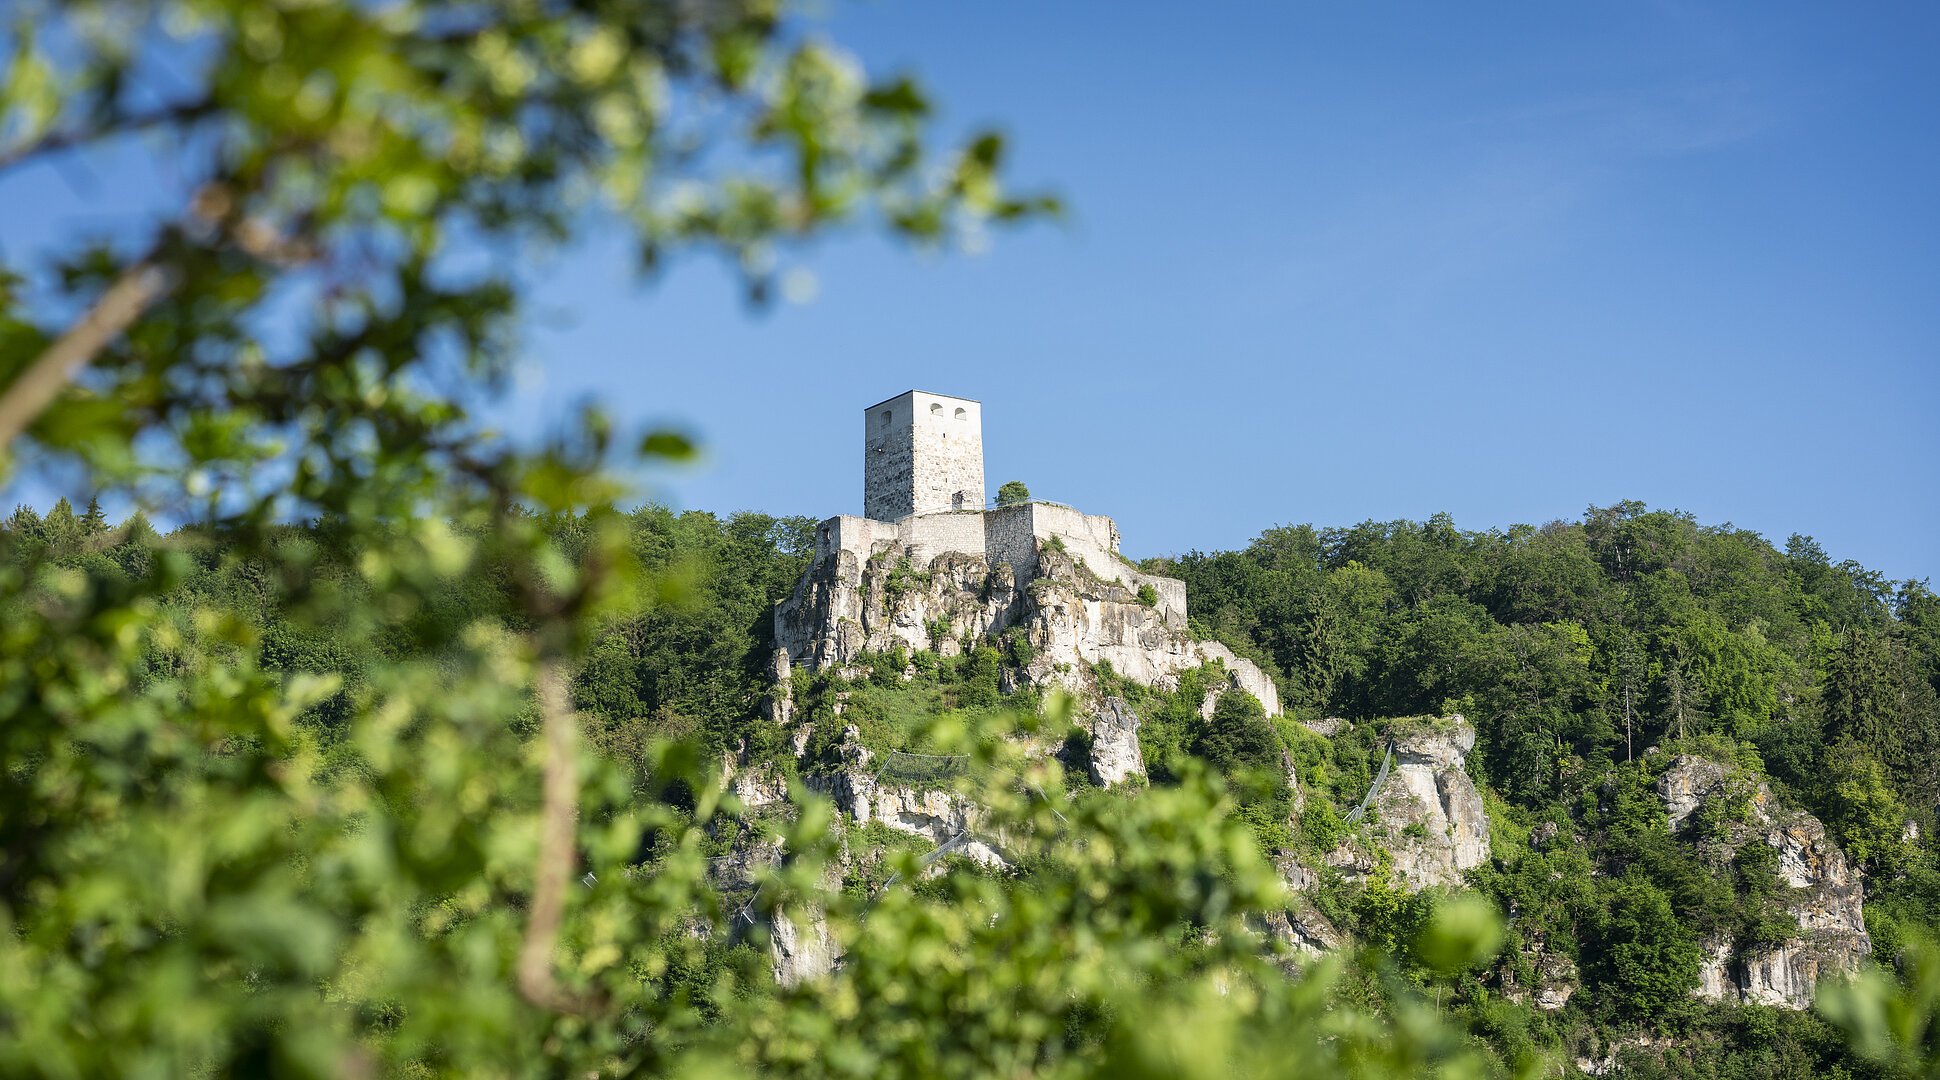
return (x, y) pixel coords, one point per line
(858, 536)
(926, 536)
(1010, 537)
(1094, 538)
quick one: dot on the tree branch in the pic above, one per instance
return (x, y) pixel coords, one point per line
(214, 208)
(55, 141)
(38, 386)
(554, 866)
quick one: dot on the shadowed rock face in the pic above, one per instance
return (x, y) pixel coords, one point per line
(1302, 929)
(1428, 814)
(1073, 615)
(1554, 977)
(1823, 892)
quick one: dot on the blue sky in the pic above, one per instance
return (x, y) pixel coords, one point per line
(1333, 262)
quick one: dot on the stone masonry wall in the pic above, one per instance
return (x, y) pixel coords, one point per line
(948, 440)
(926, 536)
(921, 453)
(889, 460)
(1009, 536)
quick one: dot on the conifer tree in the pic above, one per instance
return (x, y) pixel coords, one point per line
(61, 527)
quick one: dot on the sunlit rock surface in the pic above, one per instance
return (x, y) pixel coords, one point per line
(1074, 613)
(1115, 754)
(1427, 814)
(1822, 892)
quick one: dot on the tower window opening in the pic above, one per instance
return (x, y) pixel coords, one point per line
(936, 409)
(963, 414)
(885, 416)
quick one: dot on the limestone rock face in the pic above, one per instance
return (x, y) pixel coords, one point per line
(1555, 981)
(1240, 675)
(1823, 892)
(1688, 784)
(1115, 753)
(1714, 971)
(1072, 614)
(1556, 978)
(934, 815)
(1428, 813)
(1300, 924)
(756, 788)
(844, 606)
(779, 705)
(1306, 931)
(800, 948)
(1327, 727)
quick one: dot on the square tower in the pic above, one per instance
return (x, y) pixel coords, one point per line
(921, 453)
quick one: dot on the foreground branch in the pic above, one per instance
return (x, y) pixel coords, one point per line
(81, 138)
(42, 382)
(212, 213)
(554, 866)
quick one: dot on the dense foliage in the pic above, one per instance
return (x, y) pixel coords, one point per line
(400, 753)
(1585, 653)
(683, 662)
(333, 941)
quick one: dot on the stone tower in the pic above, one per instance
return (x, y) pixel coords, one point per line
(921, 453)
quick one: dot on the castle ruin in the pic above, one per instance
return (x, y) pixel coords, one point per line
(1052, 570)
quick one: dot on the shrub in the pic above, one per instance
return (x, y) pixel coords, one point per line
(1242, 745)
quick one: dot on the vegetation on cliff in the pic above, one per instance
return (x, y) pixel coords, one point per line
(1583, 860)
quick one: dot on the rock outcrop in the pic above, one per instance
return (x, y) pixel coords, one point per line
(1554, 977)
(1427, 814)
(1115, 754)
(1072, 616)
(1556, 981)
(858, 788)
(800, 947)
(758, 789)
(932, 814)
(1821, 892)
(1303, 930)
(1300, 925)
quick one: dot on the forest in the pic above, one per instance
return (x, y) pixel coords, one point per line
(1584, 652)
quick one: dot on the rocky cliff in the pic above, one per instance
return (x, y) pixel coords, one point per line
(1427, 814)
(1072, 616)
(1822, 892)
(1115, 754)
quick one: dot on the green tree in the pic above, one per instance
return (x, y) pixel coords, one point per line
(200, 878)
(25, 523)
(1645, 957)
(1013, 493)
(1240, 742)
(1865, 812)
(61, 528)
(94, 522)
